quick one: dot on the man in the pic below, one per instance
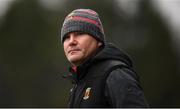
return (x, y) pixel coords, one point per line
(102, 75)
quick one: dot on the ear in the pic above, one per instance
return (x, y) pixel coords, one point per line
(99, 44)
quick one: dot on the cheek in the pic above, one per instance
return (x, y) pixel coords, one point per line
(92, 48)
(85, 48)
(83, 51)
(86, 51)
(65, 49)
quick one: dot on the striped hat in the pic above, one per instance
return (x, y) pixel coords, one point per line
(83, 20)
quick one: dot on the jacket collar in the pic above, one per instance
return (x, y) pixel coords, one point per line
(80, 71)
(107, 52)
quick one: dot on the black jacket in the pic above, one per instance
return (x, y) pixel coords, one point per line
(106, 80)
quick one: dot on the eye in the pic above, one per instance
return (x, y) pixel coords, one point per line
(66, 36)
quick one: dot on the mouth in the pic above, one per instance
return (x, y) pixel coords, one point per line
(73, 50)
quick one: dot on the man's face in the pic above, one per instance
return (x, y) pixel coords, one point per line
(79, 46)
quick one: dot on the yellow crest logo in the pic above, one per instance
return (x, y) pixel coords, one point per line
(87, 93)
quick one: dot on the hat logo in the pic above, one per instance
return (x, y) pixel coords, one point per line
(87, 93)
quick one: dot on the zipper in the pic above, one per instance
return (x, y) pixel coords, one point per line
(72, 95)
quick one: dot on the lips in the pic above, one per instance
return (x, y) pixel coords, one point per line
(73, 50)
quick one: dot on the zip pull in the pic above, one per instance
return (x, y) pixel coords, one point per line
(72, 95)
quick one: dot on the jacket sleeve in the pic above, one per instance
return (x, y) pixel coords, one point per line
(123, 90)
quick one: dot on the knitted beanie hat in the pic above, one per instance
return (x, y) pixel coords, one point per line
(83, 20)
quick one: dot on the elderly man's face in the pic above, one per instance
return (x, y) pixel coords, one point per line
(79, 46)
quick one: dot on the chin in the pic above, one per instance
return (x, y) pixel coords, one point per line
(74, 60)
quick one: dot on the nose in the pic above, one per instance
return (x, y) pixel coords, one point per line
(72, 39)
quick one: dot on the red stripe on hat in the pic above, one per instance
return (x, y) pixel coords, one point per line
(83, 19)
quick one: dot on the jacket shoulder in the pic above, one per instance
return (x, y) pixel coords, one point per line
(123, 73)
(106, 67)
(122, 76)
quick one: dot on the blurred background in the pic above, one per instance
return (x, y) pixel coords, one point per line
(32, 58)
